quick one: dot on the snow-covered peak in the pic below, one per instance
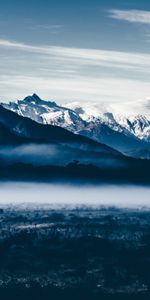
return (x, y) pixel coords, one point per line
(114, 124)
(47, 112)
(33, 98)
(140, 107)
(36, 100)
(130, 117)
(88, 111)
(138, 125)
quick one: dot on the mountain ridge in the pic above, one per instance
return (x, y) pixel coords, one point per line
(35, 152)
(129, 135)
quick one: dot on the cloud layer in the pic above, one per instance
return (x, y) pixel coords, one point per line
(64, 73)
(132, 16)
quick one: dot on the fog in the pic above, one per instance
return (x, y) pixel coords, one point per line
(52, 154)
(60, 195)
(40, 154)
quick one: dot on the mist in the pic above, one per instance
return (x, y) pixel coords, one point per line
(52, 154)
(65, 195)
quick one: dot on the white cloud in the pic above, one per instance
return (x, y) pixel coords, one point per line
(80, 56)
(52, 28)
(47, 26)
(72, 89)
(63, 74)
(132, 16)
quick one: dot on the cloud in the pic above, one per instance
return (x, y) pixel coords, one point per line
(47, 26)
(52, 28)
(132, 16)
(80, 56)
(73, 89)
(57, 155)
(63, 73)
(33, 154)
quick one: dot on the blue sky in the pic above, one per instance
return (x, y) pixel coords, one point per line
(75, 50)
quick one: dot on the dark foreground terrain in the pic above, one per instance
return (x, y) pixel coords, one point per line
(74, 253)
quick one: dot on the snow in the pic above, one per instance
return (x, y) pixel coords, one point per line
(121, 118)
(129, 118)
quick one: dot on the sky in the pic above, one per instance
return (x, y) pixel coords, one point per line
(65, 50)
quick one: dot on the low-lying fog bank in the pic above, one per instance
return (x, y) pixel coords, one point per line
(57, 195)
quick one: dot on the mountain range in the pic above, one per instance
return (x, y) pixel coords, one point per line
(35, 150)
(127, 132)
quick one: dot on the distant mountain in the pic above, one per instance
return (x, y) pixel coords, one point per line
(46, 112)
(34, 151)
(26, 128)
(129, 122)
(54, 144)
(128, 132)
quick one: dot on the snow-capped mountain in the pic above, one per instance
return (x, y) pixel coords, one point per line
(23, 140)
(37, 152)
(128, 132)
(127, 122)
(46, 112)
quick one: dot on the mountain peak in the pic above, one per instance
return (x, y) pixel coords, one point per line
(34, 98)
